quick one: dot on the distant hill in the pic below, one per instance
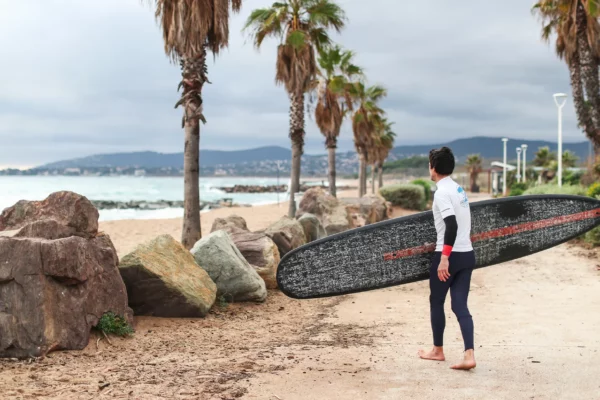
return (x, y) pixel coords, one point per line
(261, 160)
(150, 159)
(491, 148)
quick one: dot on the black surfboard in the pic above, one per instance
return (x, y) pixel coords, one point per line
(399, 251)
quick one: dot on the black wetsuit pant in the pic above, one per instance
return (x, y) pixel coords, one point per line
(461, 267)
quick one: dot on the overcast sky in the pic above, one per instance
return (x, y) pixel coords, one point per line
(87, 77)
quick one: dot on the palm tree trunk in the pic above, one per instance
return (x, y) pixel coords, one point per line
(191, 177)
(361, 173)
(380, 174)
(332, 188)
(583, 116)
(297, 137)
(589, 67)
(194, 77)
(372, 178)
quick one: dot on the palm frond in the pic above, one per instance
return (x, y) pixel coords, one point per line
(191, 26)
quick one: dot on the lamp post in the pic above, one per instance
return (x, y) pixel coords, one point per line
(524, 147)
(519, 164)
(504, 169)
(560, 99)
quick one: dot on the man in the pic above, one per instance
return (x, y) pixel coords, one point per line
(453, 260)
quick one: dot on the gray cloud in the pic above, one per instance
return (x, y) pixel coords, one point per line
(91, 77)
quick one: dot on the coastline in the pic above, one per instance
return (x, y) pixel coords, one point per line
(126, 234)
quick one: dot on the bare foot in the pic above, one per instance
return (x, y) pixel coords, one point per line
(437, 354)
(468, 363)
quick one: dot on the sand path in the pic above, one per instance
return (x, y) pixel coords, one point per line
(537, 335)
(537, 324)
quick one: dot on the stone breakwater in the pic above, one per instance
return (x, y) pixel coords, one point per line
(254, 189)
(158, 204)
(271, 188)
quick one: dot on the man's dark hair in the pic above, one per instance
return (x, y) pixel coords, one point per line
(442, 160)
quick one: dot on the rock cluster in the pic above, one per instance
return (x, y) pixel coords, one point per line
(59, 275)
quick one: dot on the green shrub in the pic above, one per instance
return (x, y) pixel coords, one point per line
(516, 192)
(408, 196)
(575, 190)
(594, 190)
(517, 189)
(593, 237)
(572, 177)
(115, 324)
(426, 186)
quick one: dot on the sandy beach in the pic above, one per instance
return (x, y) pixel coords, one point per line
(536, 334)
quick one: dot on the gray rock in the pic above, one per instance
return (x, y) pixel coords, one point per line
(313, 230)
(367, 210)
(331, 212)
(236, 280)
(230, 221)
(287, 233)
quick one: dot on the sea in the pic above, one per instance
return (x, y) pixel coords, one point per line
(132, 188)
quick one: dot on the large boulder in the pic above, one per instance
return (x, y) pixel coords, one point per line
(52, 292)
(332, 214)
(230, 221)
(67, 208)
(366, 210)
(236, 280)
(287, 233)
(313, 229)
(164, 280)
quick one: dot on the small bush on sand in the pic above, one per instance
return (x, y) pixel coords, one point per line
(593, 237)
(594, 190)
(408, 196)
(426, 188)
(575, 190)
(110, 323)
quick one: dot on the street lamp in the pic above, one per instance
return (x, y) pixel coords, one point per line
(560, 99)
(519, 164)
(524, 147)
(504, 169)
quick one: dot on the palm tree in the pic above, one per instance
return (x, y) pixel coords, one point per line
(385, 145)
(190, 29)
(364, 125)
(575, 23)
(569, 159)
(546, 159)
(302, 27)
(543, 157)
(334, 103)
(474, 166)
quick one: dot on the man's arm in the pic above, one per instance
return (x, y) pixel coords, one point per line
(449, 234)
(447, 211)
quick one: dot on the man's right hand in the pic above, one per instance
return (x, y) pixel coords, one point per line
(443, 269)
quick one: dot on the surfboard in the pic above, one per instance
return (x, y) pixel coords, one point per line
(399, 251)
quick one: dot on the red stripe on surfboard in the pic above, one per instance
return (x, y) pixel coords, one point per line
(501, 232)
